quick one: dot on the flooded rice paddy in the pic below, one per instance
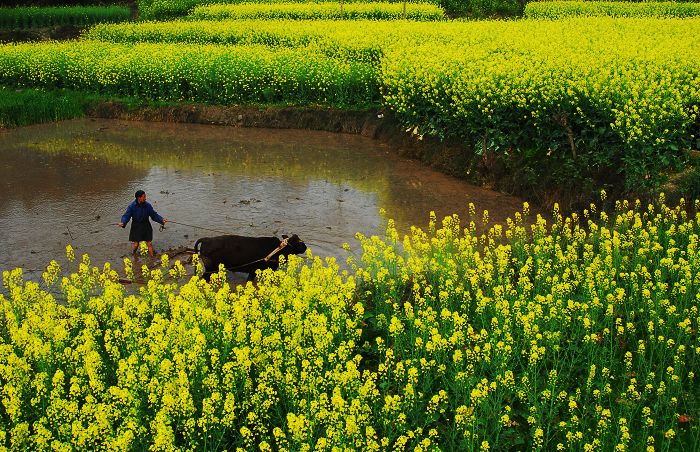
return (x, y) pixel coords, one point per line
(69, 183)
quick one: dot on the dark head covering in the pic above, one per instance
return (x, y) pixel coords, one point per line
(139, 193)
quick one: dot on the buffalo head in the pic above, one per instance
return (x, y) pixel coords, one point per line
(294, 245)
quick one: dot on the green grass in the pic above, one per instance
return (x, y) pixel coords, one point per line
(22, 107)
(31, 106)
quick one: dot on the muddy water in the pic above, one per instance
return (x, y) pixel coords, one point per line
(69, 183)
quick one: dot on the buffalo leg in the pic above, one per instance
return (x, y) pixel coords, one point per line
(208, 265)
(251, 276)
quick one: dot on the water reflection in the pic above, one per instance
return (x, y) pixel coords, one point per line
(69, 182)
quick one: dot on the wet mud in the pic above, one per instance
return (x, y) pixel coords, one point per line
(69, 183)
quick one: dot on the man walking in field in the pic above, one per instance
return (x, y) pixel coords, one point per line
(141, 212)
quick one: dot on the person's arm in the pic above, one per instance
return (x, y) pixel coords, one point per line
(155, 217)
(126, 217)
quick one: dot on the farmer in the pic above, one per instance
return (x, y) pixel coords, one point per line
(141, 231)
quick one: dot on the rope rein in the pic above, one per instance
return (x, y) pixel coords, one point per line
(283, 243)
(162, 227)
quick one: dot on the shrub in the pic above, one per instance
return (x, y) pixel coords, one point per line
(28, 17)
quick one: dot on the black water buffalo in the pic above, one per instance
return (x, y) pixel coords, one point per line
(245, 254)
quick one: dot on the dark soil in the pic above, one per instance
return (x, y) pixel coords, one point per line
(58, 33)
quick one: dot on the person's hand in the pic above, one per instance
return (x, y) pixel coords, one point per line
(121, 225)
(165, 220)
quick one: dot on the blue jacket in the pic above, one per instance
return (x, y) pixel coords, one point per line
(140, 213)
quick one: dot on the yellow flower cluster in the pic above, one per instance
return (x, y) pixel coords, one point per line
(321, 10)
(540, 332)
(575, 333)
(561, 9)
(159, 9)
(210, 72)
(558, 93)
(361, 40)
